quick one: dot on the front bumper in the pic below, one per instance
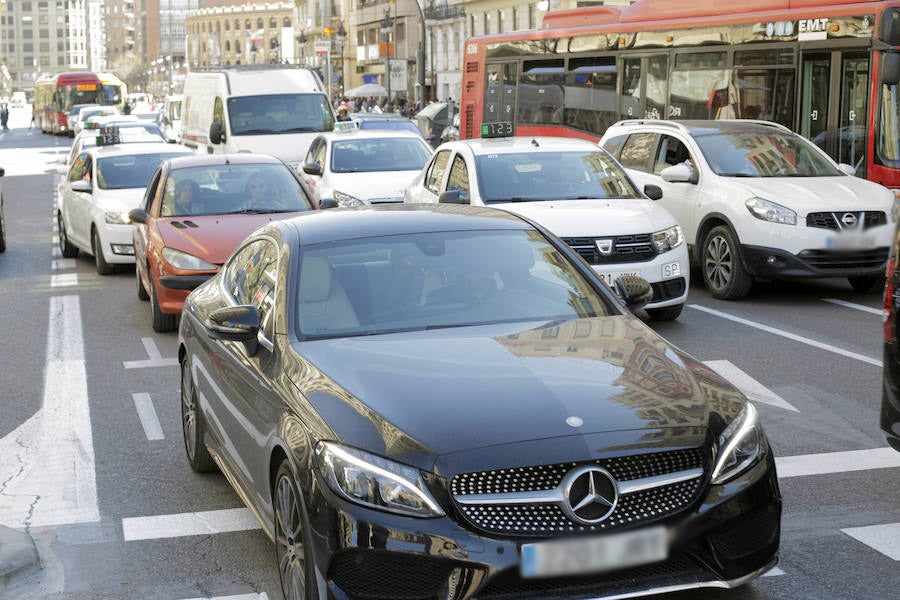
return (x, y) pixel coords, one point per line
(116, 243)
(775, 263)
(668, 274)
(726, 538)
(173, 290)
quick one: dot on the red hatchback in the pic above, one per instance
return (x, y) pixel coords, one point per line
(196, 210)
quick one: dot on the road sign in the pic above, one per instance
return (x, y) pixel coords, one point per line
(323, 47)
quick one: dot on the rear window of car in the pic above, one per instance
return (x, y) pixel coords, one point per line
(130, 171)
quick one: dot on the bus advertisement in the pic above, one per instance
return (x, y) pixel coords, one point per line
(54, 97)
(827, 69)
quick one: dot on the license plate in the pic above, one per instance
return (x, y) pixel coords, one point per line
(850, 240)
(610, 278)
(670, 270)
(594, 554)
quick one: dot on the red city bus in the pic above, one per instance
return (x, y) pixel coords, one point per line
(827, 69)
(55, 96)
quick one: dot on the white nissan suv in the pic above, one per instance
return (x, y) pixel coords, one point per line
(757, 201)
(576, 191)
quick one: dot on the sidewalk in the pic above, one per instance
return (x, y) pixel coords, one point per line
(18, 556)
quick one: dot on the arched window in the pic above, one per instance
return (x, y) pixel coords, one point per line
(273, 23)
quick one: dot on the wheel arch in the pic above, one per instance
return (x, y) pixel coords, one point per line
(709, 222)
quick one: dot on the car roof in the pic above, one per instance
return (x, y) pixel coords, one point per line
(520, 144)
(337, 224)
(367, 134)
(205, 160)
(699, 127)
(135, 148)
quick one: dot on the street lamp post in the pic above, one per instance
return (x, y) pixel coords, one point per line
(387, 26)
(341, 37)
(420, 54)
(301, 41)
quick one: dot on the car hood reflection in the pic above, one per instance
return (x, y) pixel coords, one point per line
(424, 394)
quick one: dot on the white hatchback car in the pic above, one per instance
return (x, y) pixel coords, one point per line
(576, 191)
(102, 185)
(355, 167)
(757, 201)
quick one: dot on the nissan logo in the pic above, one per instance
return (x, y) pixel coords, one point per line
(848, 219)
(591, 494)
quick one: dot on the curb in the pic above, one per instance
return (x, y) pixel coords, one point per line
(18, 556)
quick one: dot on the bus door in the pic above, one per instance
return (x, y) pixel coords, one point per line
(500, 92)
(644, 88)
(836, 121)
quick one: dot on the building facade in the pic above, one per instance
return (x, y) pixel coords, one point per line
(243, 34)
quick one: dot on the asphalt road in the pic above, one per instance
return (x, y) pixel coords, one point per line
(92, 462)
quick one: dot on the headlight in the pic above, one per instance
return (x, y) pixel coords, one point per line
(668, 238)
(895, 209)
(375, 482)
(346, 199)
(183, 260)
(769, 211)
(741, 444)
(117, 217)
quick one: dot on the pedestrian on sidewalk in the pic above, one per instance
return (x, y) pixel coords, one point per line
(4, 117)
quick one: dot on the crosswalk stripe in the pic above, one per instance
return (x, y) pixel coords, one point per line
(63, 280)
(883, 538)
(788, 335)
(184, 524)
(836, 462)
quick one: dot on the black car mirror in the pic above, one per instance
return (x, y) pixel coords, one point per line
(328, 203)
(451, 197)
(216, 133)
(890, 68)
(312, 168)
(635, 291)
(654, 192)
(138, 215)
(235, 324)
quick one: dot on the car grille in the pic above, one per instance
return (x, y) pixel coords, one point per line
(624, 248)
(825, 260)
(832, 220)
(548, 518)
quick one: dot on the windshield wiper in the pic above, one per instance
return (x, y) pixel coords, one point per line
(296, 129)
(254, 131)
(260, 211)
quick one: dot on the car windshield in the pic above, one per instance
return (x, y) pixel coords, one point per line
(530, 176)
(763, 154)
(379, 154)
(412, 282)
(130, 170)
(279, 113)
(243, 188)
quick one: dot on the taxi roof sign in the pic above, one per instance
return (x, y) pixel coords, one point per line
(346, 126)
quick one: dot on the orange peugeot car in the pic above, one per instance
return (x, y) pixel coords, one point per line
(196, 210)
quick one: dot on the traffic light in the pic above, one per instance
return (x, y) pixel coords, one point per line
(327, 31)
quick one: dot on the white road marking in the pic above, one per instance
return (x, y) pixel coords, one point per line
(836, 462)
(56, 252)
(63, 280)
(260, 596)
(47, 469)
(884, 538)
(863, 308)
(790, 336)
(751, 388)
(155, 358)
(774, 572)
(195, 523)
(147, 414)
(61, 264)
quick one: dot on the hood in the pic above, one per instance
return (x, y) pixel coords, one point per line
(382, 185)
(816, 194)
(289, 147)
(121, 200)
(569, 218)
(213, 237)
(420, 395)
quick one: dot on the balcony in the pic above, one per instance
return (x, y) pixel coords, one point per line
(444, 12)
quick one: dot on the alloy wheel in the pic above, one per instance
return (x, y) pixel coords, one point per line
(289, 540)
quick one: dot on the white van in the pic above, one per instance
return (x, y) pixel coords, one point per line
(170, 119)
(275, 110)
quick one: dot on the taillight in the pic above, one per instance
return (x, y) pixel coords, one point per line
(889, 301)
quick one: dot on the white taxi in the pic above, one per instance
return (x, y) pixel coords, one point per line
(578, 192)
(102, 184)
(353, 167)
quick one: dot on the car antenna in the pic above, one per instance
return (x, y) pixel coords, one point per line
(534, 143)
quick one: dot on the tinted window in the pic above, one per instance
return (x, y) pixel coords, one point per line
(131, 171)
(459, 177)
(638, 151)
(764, 154)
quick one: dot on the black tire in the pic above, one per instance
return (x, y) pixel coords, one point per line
(722, 265)
(292, 539)
(67, 249)
(141, 290)
(868, 284)
(667, 313)
(192, 425)
(162, 322)
(103, 267)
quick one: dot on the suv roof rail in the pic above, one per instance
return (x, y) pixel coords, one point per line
(772, 124)
(658, 122)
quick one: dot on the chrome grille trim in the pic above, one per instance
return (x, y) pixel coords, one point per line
(557, 495)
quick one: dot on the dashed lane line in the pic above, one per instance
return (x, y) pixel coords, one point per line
(788, 335)
(854, 306)
(147, 414)
(154, 358)
(260, 596)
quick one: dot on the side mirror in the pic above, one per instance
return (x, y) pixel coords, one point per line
(2, 171)
(635, 291)
(451, 197)
(138, 215)
(680, 173)
(82, 186)
(890, 66)
(654, 192)
(328, 203)
(312, 168)
(848, 169)
(216, 133)
(235, 324)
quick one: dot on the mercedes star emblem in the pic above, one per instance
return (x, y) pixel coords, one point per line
(591, 494)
